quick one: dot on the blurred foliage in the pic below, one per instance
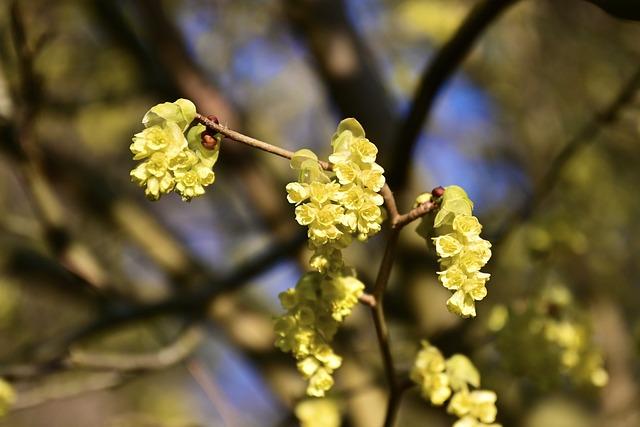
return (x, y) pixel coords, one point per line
(533, 80)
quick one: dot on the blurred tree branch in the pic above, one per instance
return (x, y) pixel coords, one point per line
(585, 136)
(624, 9)
(437, 73)
(71, 253)
(345, 64)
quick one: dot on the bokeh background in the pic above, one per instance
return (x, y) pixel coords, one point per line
(539, 124)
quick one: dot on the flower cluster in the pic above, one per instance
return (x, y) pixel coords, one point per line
(555, 335)
(337, 206)
(318, 413)
(440, 379)
(462, 252)
(172, 154)
(314, 309)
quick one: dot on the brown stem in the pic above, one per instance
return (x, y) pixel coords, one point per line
(382, 331)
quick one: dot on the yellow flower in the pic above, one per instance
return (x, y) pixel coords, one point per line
(452, 278)
(473, 289)
(474, 256)
(308, 366)
(175, 157)
(479, 404)
(462, 304)
(319, 383)
(347, 172)
(166, 138)
(297, 192)
(329, 359)
(467, 225)
(448, 245)
(306, 214)
(428, 373)
(364, 150)
(373, 178)
(189, 184)
(154, 175)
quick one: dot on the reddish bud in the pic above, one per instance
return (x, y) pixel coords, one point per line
(208, 141)
(437, 192)
(214, 119)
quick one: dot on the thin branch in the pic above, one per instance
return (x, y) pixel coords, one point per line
(256, 143)
(382, 331)
(192, 304)
(584, 137)
(434, 78)
(397, 220)
(415, 213)
(68, 250)
(178, 350)
(64, 390)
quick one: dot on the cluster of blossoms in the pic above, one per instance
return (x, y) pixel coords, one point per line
(440, 379)
(462, 252)
(173, 157)
(335, 207)
(318, 413)
(556, 336)
(314, 310)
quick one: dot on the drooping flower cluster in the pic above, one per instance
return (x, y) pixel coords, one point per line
(318, 413)
(440, 379)
(335, 207)
(173, 158)
(314, 310)
(554, 336)
(462, 252)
